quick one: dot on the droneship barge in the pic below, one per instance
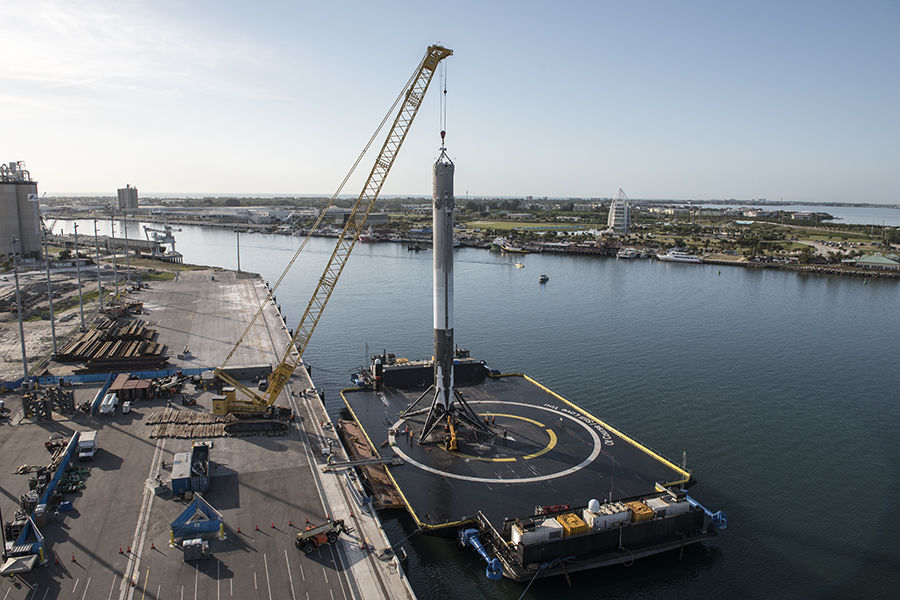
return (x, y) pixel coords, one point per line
(545, 488)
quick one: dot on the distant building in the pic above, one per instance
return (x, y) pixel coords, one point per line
(801, 215)
(619, 214)
(878, 261)
(20, 215)
(128, 198)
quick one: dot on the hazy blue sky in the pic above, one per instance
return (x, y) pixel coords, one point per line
(703, 100)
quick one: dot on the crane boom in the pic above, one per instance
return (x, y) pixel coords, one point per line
(354, 226)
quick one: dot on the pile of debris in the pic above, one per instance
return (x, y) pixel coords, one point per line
(115, 345)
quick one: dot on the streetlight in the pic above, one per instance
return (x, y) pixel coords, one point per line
(112, 232)
(49, 287)
(78, 273)
(99, 274)
(19, 310)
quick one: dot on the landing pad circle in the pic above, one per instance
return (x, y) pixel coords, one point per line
(595, 451)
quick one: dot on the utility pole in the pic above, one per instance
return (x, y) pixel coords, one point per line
(49, 289)
(112, 230)
(127, 261)
(78, 273)
(19, 310)
(99, 273)
(238, 233)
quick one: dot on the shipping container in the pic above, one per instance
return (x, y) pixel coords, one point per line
(572, 524)
(639, 511)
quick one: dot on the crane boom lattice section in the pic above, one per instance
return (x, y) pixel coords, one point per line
(355, 223)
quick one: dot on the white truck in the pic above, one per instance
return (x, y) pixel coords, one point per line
(108, 405)
(87, 445)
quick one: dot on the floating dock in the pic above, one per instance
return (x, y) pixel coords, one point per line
(544, 451)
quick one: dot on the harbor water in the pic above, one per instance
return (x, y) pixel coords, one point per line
(779, 389)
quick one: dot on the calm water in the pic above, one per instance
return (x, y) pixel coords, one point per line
(860, 215)
(782, 390)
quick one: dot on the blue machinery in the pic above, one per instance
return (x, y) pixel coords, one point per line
(469, 537)
(718, 518)
(190, 524)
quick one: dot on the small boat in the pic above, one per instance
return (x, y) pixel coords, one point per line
(510, 247)
(520, 266)
(543, 278)
(675, 255)
(627, 253)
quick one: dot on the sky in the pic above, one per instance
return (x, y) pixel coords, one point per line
(794, 100)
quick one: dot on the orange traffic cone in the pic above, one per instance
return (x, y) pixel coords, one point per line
(120, 550)
(257, 526)
(307, 520)
(152, 545)
(290, 522)
(273, 524)
(239, 529)
(73, 558)
(55, 560)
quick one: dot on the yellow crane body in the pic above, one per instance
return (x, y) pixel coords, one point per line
(257, 404)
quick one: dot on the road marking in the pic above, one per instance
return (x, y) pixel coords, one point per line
(76, 585)
(218, 569)
(182, 592)
(325, 574)
(331, 593)
(254, 581)
(146, 578)
(231, 584)
(307, 595)
(112, 586)
(158, 588)
(47, 591)
(84, 595)
(595, 437)
(302, 574)
(268, 585)
(7, 593)
(140, 528)
(196, 576)
(290, 576)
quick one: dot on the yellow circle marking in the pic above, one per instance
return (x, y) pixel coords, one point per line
(550, 445)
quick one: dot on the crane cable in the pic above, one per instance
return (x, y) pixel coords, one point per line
(315, 226)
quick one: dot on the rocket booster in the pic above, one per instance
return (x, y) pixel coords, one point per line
(442, 232)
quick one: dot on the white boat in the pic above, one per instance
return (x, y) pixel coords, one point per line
(627, 253)
(675, 255)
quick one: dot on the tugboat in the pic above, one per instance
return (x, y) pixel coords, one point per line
(543, 278)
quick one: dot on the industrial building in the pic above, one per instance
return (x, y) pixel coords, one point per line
(20, 216)
(619, 213)
(128, 198)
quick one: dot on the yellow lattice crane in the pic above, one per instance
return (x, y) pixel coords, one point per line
(260, 404)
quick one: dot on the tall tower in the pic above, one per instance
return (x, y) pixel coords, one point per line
(128, 198)
(619, 213)
(20, 215)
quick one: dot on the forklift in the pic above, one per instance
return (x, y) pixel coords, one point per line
(314, 536)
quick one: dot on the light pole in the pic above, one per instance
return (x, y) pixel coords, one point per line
(99, 274)
(19, 309)
(78, 274)
(238, 233)
(49, 289)
(127, 261)
(112, 232)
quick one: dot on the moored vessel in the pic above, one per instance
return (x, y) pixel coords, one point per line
(676, 255)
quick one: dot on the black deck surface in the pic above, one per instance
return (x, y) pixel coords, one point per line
(544, 451)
